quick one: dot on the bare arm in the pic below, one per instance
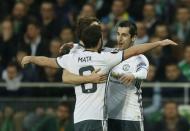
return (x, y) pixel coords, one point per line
(40, 61)
(70, 78)
(139, 49)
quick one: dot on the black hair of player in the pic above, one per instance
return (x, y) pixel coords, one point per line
(83, 23)
(131, 25)
(91, 36)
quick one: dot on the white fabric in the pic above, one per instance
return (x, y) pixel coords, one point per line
(124, 102)
(89, 106)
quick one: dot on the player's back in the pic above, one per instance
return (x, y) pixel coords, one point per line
(89, 97)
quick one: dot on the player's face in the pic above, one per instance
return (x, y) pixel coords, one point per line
(124, 39)
(170, 110)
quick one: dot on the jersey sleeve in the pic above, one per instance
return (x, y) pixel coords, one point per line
(114, 58)
(142, 62)
(62, 61)
(142, 67)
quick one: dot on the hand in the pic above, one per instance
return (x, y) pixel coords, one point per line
(167, 42)
(65, 48)
(25, 60)
(127, 79)
(97, 78)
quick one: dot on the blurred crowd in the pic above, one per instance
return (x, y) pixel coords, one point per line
(41, 27)
(38, 119)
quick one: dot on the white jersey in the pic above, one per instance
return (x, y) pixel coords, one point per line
(89, 97)
(125, 102)
(79, 47)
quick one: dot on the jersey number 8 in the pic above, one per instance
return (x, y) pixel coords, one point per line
(94, 86)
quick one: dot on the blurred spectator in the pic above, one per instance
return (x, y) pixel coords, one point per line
(55, 45)
(164, 9)
(18, 119)
(142, 36)
(184, 65)
(50, 26)
(19, 13)
(33, 42)
(105, 34)
(88, 10)
(31, 7)
(65, 12)
(50, 111)
(65, 117)
(159, 58)
(6, 8)
(7, 124)
(171, 120)
(117, 14)
(39, 121)
(181, 28)
(13, 77)
(161, 31)
(66, 35)
(8, 43)
(173, 74)
(149, 18)
(154, 92)
(51, 75)
(27, 71)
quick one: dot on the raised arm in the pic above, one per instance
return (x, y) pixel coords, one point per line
(139, 49)
(40, 61)
(70, 78)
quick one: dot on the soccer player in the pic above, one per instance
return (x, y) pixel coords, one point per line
(124, 100)
(90, 98)
(124, 93)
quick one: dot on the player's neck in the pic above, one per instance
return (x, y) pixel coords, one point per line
(95, 49)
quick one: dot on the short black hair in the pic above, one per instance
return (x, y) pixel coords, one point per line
(131, 25)
(91, 35)
(83, 23)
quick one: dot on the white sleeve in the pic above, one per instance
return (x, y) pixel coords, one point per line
(62, 61)
(141, 74)
(142, 67)
(114, 58)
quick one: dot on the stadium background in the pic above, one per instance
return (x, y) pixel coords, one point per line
(39, 27)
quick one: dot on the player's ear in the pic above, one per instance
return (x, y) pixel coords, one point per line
(134, 38)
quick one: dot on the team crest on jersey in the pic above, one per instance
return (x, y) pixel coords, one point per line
(115, 50)
(126, 67)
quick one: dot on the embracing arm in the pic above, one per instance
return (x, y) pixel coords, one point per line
(139, 49)
(70, 78)
(40, 61)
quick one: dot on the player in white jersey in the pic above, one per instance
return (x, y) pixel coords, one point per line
(124, 98)
(109, 58)
(124, 102)
(90, 97)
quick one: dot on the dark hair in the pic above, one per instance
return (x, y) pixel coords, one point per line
(13, 64)
(91, 5)
(131, 25)
(83, 23)
(91, 35)
(33, 21)
(170, 102)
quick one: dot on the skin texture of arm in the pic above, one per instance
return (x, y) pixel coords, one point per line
(140, 49)
(40, 61)
(70, 78)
